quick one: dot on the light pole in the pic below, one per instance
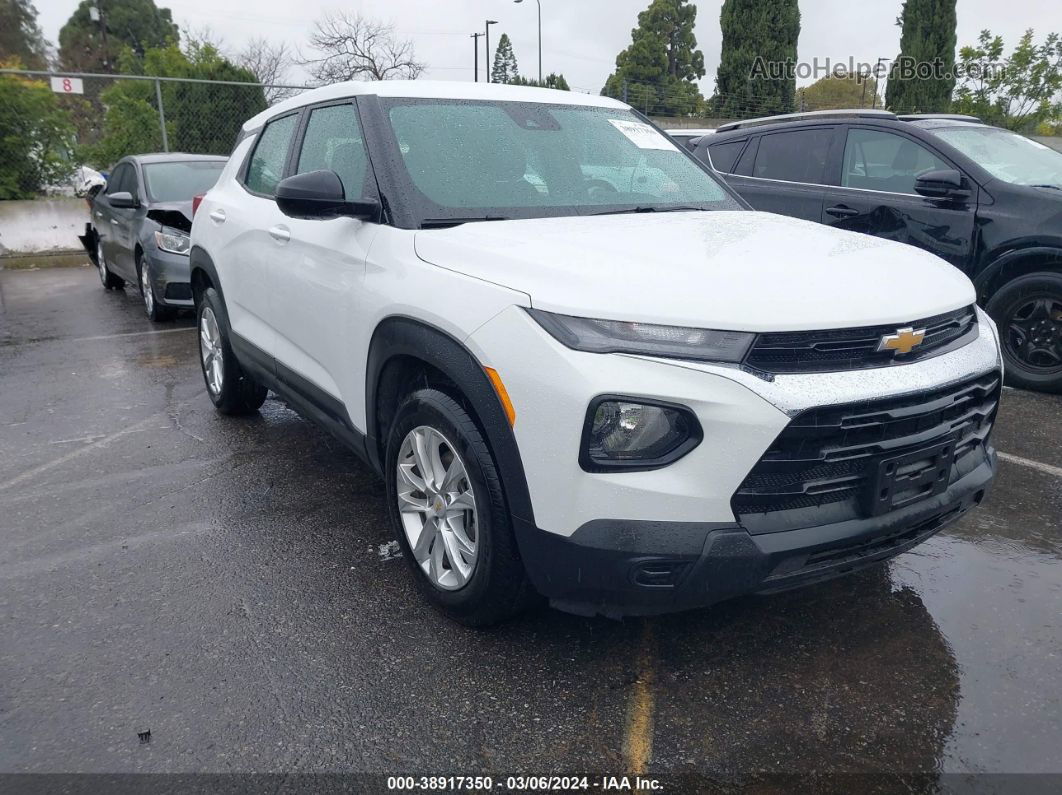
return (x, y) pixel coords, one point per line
(539, 3)
(877, 80)
(486, 59)
(475, 53)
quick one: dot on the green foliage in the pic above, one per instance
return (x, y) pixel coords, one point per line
(1022, 95)
(35, 138)
(135, 24)
(833, 93)
(757, 31)
(200, 118)
(20, 35)
(657, 73)
(927, 55)
(552, 80)
(505, 69)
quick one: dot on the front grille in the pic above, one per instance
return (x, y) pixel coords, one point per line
(825, 464)
(857, 348)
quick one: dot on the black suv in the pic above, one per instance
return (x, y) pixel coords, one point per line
(987, 200)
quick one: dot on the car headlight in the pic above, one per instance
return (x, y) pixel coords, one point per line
(173, 241)
(616, 336)
(635, 434)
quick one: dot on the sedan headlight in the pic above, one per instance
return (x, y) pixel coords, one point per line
(173, 241)
(617, 336)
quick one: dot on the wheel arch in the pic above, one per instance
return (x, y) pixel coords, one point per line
(1014, 264)
(401, 351)
(204, 274)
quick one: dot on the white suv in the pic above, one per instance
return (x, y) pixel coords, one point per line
(583, 367)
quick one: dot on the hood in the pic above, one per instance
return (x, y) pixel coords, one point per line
(177, 215)
(738, 271)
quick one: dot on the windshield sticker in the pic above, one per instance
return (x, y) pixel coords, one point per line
(642, 135)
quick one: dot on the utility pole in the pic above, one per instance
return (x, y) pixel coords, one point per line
(475, 52)
(96, 15)
(877, 79)
(486, 60)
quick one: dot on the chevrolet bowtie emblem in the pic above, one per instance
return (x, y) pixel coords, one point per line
(904, 340)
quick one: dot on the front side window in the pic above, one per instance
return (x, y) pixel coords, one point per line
(1005, 155)
(181, 181)
(795, 156)
(882, 161)
(333, 141)
(527, 160)
(266, 168)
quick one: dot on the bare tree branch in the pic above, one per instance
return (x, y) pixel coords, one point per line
(352, 47)
(269, 63)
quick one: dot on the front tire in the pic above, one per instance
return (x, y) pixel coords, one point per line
(447, 508)
(1028, 312)
(231, 389)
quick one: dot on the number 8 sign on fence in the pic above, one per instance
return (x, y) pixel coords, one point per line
(68, 85)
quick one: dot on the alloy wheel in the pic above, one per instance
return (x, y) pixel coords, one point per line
(1034, 333)
(437, 508)
(101, 263)
(210, 351)
(145, 289)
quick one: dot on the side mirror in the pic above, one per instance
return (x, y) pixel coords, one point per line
(318, 195)
(942, 184)
(124, 199)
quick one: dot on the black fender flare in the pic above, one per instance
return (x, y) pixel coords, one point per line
(199, 260)
(986, 279)
(398, 336)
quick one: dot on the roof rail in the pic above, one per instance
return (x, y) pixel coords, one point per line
(936, 116)
(858, 113)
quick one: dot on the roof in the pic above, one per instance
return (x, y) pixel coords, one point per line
(174, 157)
(811, 115)
(432, 89)
(693, 131)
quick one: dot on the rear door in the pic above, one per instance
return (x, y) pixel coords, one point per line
(784, 172)
(874, 194)
(103, 214)
(124, 222)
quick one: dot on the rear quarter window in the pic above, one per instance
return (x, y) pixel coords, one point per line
(723, 156)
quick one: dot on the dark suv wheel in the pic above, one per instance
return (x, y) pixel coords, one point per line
(229, 387)
(1028, 312)
(448, 510)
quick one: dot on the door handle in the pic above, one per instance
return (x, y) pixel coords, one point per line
(218, 215)
(114, 222)
(281, 234)
(840, 211)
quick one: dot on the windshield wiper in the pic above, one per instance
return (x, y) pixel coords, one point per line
(651, 209)
(444, 223)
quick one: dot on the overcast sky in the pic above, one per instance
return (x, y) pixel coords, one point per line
(580, 37)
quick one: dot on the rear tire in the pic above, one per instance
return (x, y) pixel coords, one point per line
(109, 280)
(462, 515)
(1028, 312)
(155, 312)
(231, 389)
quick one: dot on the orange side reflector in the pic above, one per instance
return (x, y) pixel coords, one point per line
(503, 396)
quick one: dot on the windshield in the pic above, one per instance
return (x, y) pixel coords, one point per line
(1005, 155)
(492, 160)
(181, 181)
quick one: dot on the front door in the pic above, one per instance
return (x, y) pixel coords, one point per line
(875, 195)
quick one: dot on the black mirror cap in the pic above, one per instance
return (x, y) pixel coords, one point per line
(123, 199)
(941, 184)
(318, 195)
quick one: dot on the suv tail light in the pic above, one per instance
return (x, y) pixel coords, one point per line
(196, 201)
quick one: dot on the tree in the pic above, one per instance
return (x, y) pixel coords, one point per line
(505, 69)
(835, 92)
(922, 78)
(552, 80)
(131, 121)
(658, 71)
(20, 35)
(36, 137)
(1019, 92)
(353, 47)
(269, 63)
(88, 46)
(756, 74)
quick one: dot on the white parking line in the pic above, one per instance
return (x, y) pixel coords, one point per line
(132, 334)
(1025, 462)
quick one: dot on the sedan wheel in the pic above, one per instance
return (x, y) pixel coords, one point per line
(108, 279)
(437, 508)
(211, 352)
(146, 291)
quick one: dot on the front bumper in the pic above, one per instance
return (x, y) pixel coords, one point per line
(172, 275)
(617, 568)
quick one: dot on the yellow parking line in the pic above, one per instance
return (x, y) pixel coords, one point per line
(638, 743)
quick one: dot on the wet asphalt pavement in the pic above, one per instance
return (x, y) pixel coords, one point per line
(227, 584)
